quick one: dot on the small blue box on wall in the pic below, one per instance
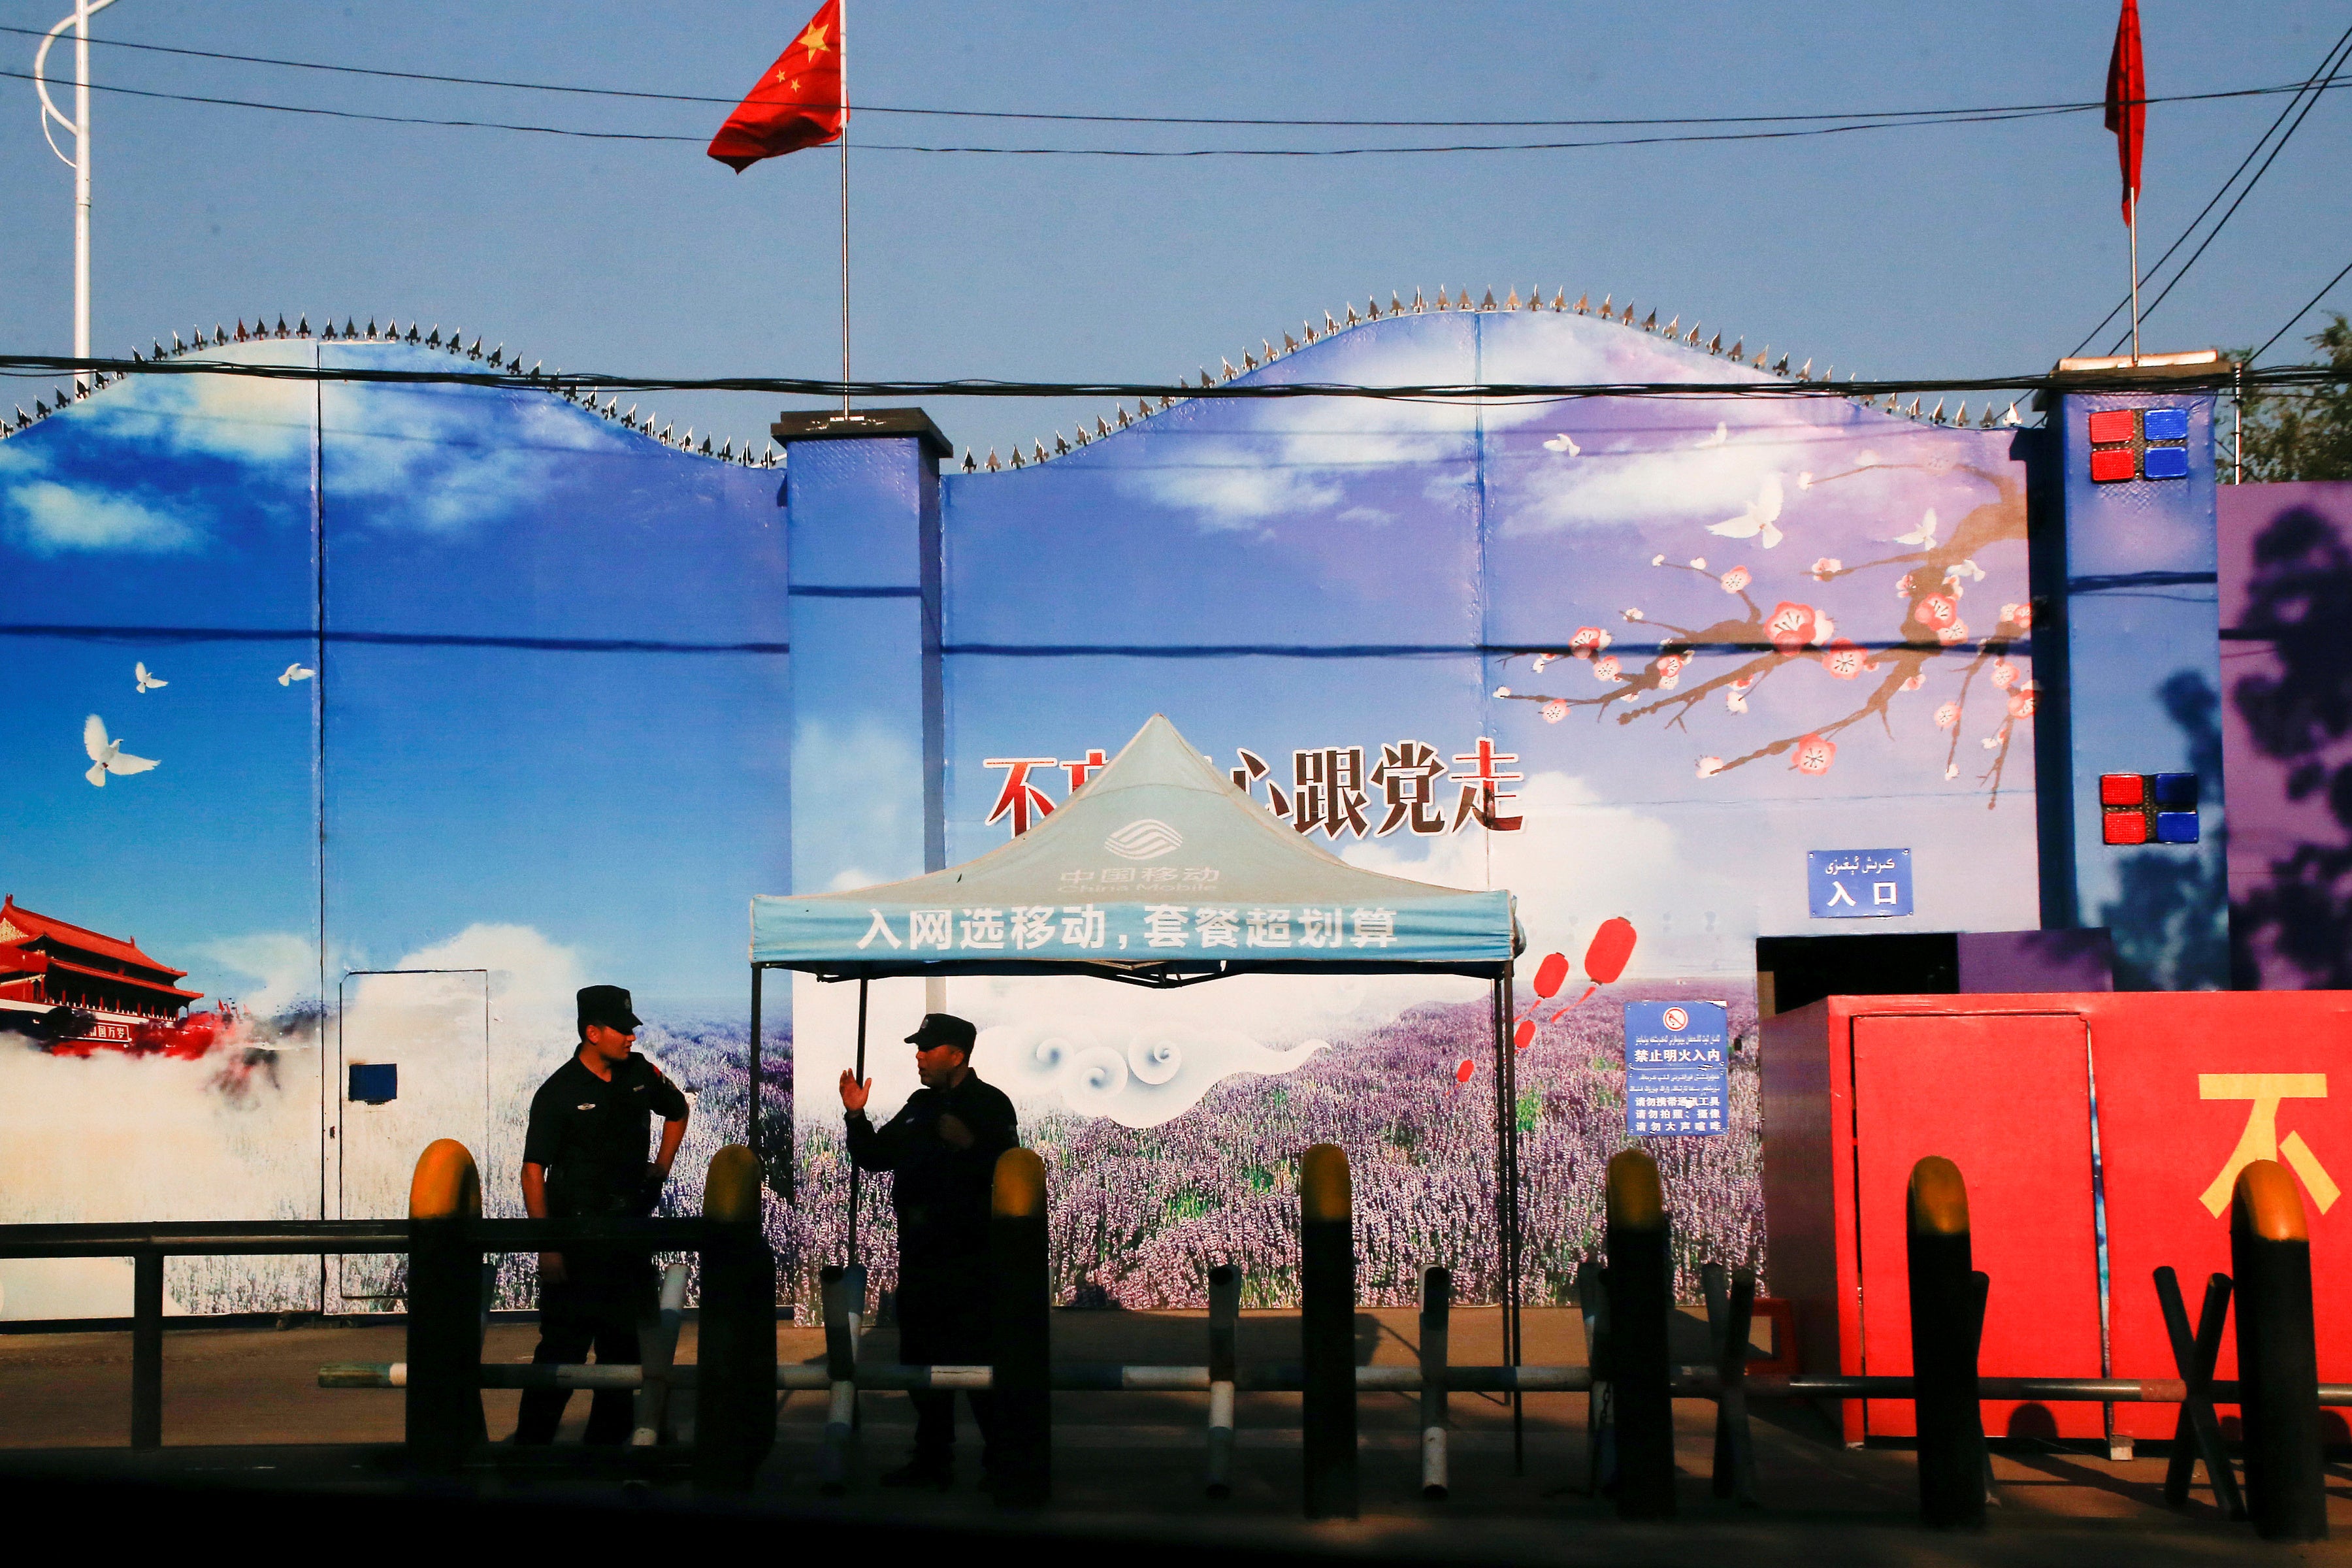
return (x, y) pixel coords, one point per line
(1858, 884)
(374, 1083)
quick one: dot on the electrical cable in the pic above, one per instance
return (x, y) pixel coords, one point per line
(2299, 316)
(1887, 114)
(1995, 116)
(2328, 64)
(2223, 222)
(2221, 376)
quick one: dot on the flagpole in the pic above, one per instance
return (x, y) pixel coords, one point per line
(2131, 223)
(843, 44)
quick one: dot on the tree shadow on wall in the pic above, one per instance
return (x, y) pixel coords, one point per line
(2300, 599)
(2170, 919)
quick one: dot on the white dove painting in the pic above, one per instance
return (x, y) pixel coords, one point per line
(1760, 522)
(1923, 535)
(1722, 436)
(108, 756)
(1564, 443)
(147, 680)
(294, 672)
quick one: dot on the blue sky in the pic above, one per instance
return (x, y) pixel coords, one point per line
(1935, 252)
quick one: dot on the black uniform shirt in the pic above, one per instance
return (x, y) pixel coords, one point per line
(589, 1135)
(940, 1191)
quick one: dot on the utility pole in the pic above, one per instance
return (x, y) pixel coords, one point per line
(78, 128)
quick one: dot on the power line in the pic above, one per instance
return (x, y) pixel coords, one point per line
(572, 383)
(1963, 113)
(2299, 316)
(2328, 64)
(1986, 117)
(2223, 221)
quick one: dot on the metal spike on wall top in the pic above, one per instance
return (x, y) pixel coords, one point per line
(970, 465)
(1353, 319)
(1396, 306)
(1512, 301)
(1419, 304)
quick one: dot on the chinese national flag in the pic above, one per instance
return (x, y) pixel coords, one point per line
(2127, 100)
(798, 103)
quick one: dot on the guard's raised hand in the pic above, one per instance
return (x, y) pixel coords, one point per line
(854, 1093)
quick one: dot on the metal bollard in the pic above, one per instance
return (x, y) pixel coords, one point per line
(1730, 1309)
(2278, 1362)
(1436, 1312)
(1945, 1324)
(1020, 1332)
(1640, 1294)
(444, 1284)
(1327, 1323)
(1600, 1402)
(659, 1340)
(147, 1349)
(735, 1385)
(1224, 1320)
(843, 1295)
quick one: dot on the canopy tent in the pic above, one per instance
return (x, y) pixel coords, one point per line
(1160, 871)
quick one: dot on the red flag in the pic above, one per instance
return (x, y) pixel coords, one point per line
(798, 103)
(2127, 100)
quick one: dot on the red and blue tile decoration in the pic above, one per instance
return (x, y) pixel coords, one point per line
(2147, 808)
(2129, 443)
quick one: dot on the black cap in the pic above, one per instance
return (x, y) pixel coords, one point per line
(944, 1029)
(608, 1005)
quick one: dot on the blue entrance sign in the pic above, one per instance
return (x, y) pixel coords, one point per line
(1677, 1073)
(1858, 884)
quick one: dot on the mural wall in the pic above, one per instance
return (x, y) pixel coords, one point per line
(377, 710)
(1632, 659)
(2284, 716)
(457, 699)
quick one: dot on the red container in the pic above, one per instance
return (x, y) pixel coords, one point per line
(2186, 1086)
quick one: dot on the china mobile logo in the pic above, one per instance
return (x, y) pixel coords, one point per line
(1146, 838)
(2260, 1141)
(1356, 790)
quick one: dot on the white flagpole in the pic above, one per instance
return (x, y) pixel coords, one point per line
(80, 126)
(843, 43)
(2131, 223)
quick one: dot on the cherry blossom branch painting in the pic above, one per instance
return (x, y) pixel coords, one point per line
(1929, 644)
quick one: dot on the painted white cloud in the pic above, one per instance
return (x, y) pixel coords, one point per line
(285, 964)
(1137, 1076)
(450, 458)
(54, 518)
(237, 417)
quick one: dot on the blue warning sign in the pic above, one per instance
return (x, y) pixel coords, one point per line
(1677, 1068)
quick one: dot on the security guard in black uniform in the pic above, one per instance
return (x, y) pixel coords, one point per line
(942, 1147)
(584, 1155)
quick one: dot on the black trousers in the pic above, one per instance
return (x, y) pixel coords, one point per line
(943, 1322)
(599, 1305)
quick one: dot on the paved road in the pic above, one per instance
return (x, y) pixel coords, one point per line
(240, 1400)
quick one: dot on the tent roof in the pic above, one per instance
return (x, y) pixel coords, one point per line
(1159, 871)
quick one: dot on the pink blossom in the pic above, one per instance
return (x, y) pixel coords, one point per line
(1843, 659)
(1913, 683)
(1953, 633)
(1947, 715)
(1904, 584)
(2004, 674)
(1709, 766)
(1790, 625)
(1538, 662)
(2023, 700)
(1815, 754)
(1734, 701)
(1827, 567)
(1587, 641)
(2018, 616)
(1555, 711)
(1935, 610)
(1605, 667)
(1670, 665)
(1633, 615)
(1735, 579)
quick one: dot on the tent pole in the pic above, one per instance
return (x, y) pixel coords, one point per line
(860, 1076)
(752, 1069)
(1506, 1085)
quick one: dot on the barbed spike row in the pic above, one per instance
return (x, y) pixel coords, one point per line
(453, 342)
(1350, 317)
